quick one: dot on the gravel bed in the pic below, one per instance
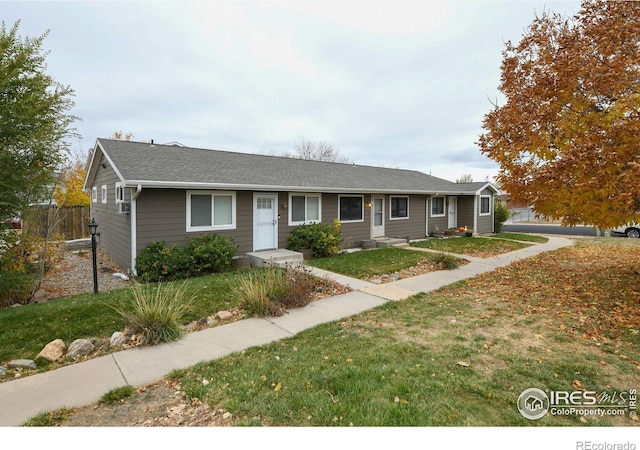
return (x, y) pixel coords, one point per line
(73, 274)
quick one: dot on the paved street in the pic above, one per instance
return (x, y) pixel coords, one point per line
(551, 229)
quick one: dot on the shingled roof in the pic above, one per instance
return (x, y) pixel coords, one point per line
(154, 165)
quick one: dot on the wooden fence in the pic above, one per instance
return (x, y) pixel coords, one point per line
(66, 222)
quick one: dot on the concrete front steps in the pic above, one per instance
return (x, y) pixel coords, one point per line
(279, 258)
(390, 242)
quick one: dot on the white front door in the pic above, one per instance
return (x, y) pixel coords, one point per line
(265, 221)
(377, 217)
(453, 212)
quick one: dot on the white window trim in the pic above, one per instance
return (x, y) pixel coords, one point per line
(231, 226)
(391, 209)
(119, 193)
(94, 194)
(103, 194)
(488, 213)
(305, 222)
(444, 207)
(362, 208)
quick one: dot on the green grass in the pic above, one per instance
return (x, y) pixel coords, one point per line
(25, 330)
(521, 237)
(49, 418)
(370, 263)
(525, 325)
(472, 246)
(117, 395)
(394, 366)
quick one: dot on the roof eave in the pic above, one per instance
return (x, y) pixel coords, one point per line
(271, 187)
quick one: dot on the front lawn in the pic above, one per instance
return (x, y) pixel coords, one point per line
(566, 321)
(472, 246)
(25, 330)
(369, 263)
(521, 237)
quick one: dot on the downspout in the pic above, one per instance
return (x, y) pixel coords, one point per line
(134, 228)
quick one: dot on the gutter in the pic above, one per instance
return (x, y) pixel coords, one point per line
(134, 228)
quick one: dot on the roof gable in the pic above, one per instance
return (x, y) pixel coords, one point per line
(154, 165)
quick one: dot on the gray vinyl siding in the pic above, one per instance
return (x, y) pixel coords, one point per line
(114, 229)
(439, 223)
(465, 211)
(162, 216)
(485, 223)
(414, 226)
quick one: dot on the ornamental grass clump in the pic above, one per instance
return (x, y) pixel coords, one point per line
(272, 290)
(154, 312)
(256, 289)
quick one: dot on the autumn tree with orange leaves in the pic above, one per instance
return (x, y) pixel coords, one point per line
(567, 138)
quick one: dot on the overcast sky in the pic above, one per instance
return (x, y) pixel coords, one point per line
(387, 83)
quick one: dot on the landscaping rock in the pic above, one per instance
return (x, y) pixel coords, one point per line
(118, 339)
(80, 347)
(39, 297)
(54, 350)
(22, 364)
(224, 315)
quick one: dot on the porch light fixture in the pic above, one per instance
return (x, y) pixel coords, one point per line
(93, 228)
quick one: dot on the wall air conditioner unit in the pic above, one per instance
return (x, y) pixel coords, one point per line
(124, 207)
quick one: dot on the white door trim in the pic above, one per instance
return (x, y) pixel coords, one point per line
(452, 203)
(273, 245)
(377, 231)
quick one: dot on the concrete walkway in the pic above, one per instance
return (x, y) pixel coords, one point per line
(84, 383)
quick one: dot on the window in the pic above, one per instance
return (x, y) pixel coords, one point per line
(485, 205)
(304, 208)
(211, 210)
(94, 194)
(351, 209)
(399, 207)
(119, 193)
(104, 193)
(437, 207)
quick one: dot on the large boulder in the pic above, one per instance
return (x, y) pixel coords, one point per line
(54, 350)
(22, 364)
(118, 339)
(80, 347)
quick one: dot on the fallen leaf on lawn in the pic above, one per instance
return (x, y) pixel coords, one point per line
(463, 363)
(349, 360)
(577, 385)
(538, 336)
(278, 386)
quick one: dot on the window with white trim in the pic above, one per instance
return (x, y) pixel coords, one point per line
(94, 194)
(437, 207)
(104, 193)
(485, 205)
(119, 194)
(351, 208)
(304, 208)
(211, 210)
(399, 208)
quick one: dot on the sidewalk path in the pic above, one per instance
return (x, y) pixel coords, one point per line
(84, 383)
